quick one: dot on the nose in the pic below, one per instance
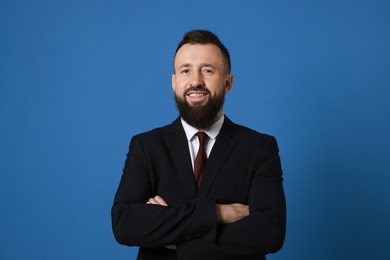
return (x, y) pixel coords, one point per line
(196, 79)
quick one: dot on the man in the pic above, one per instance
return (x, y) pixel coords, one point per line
(185, 195)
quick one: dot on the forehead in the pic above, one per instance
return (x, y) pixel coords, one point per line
(198, 54)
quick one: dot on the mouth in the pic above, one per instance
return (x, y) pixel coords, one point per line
(196, 96)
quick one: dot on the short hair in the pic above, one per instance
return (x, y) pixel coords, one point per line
(206, 37)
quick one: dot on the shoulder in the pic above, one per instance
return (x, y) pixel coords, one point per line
(244, 132)
(248, 139)
(175, 128)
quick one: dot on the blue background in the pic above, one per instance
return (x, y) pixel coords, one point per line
(79, 78)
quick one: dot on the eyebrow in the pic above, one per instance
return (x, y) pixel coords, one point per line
(187, 65)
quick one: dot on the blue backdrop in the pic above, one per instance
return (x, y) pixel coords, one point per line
(79, 78)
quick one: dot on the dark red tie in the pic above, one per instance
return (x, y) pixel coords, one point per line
(201, 157)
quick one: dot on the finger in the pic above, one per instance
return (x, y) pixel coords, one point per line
(244, 209)
(160, 200)
(152, 201)
(172, 247)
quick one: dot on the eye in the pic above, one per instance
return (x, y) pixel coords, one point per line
(184, 71)
(207, 71)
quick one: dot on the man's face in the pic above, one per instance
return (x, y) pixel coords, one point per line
(201, 80)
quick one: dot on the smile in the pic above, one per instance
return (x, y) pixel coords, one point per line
(196, 94)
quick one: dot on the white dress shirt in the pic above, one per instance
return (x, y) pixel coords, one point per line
(193, 141)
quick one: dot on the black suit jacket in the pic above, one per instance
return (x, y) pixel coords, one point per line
(243, 167)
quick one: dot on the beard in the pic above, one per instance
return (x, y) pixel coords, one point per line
(200, 116)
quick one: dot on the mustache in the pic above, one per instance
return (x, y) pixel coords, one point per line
(196, 88)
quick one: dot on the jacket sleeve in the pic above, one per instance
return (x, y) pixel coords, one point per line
(138, 224)
(263, 231)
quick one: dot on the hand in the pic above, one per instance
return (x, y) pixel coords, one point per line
(160, 201)
(172, 247)
(229, 213)
(157, 201)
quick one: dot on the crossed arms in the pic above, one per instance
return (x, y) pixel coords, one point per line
(226, 213)
(143, 219)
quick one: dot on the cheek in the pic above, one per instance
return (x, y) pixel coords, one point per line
(179, 92)
(180, 85)
(219, 89)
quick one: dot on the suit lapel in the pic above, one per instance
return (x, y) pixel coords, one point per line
(178, 148)
(222, 148)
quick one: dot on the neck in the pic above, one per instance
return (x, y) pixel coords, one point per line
(219, 115)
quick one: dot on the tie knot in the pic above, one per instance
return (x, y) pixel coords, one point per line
(202, 137)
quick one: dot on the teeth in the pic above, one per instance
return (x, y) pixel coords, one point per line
(196, 95)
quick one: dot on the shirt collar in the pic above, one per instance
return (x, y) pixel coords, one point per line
(212, 131)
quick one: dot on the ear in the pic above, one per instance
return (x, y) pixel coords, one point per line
(173, 82)
(228, 82)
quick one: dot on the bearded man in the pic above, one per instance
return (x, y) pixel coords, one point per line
(201, 187)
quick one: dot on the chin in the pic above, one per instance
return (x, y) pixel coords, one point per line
(197, 104)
